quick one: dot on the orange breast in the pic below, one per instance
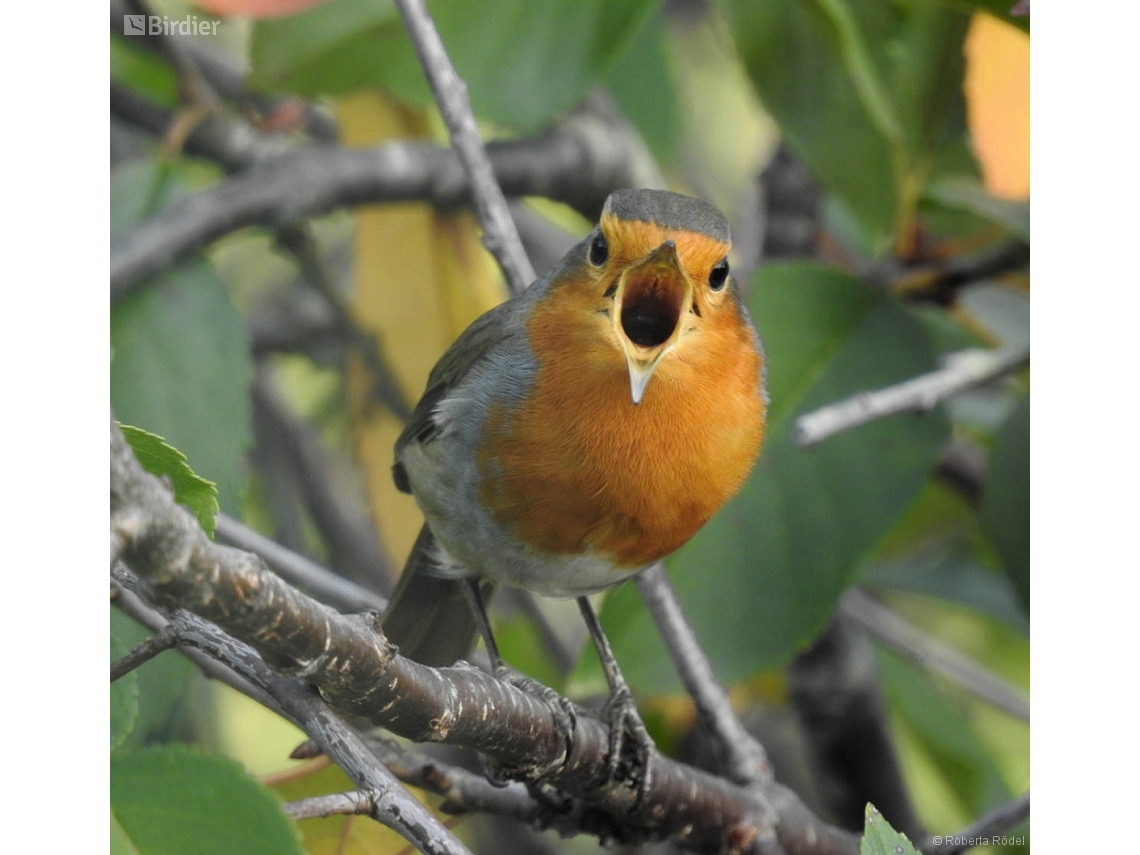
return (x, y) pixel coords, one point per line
(578, 467)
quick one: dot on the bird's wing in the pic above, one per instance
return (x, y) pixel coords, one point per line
(489, 330)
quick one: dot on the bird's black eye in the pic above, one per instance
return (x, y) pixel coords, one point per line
(719, 275)
(599, 250)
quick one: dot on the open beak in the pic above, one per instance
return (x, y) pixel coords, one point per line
(651, 299)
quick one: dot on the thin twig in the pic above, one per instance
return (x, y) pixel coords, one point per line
(927, 651)
(499, 233)
(144, 651)
(356, 802)
(744, 757)
(297, 239)
(940, 281)
(964, 370)
(983, 832)
(294, 451)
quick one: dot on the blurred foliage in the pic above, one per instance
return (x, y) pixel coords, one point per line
(909, 116)
(171, 799)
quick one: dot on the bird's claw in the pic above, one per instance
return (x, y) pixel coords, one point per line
(561, 710)
(630, 745)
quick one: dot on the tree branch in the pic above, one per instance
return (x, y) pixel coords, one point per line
(964, 370)
(462, 791)
(142, 652)
(300, 571)
(220, 137)
(356, 802)
(578, 163)
(928, 652)
(129, 603)
(499, 233)
(359, 672)
(393, 805)
(297, 239)
(290, 451)
(940, 281)
(743, 756)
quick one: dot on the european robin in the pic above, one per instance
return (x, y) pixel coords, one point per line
(585, 428)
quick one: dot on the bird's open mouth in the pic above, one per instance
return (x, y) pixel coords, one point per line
(652, 297)
(651, 308)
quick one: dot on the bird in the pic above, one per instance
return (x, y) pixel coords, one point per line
(582, 430)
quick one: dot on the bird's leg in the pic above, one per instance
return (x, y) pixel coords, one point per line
(482, 622)
(624, 719)
(561, 709)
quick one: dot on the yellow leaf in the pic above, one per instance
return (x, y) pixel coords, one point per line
(997, 102)
(420, 278)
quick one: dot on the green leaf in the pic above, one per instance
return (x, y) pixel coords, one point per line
(762, 578)
(521, 644)
(944, 729)
(172, 800)
(938, 548)
(641, 81)
(880, 839)
(143, 71)
(120, 842)
(124, 699)
(1005, 502)
(181, 366)
(863, 90)
(160, 458)
(969, 194)
(524, 61)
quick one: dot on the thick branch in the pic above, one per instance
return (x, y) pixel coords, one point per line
(298, 570)
(579, 164)
(964, 370)
(230, 141)
(462, 791)
(359, 672)
(392, 805)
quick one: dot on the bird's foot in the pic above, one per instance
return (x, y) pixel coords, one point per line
(561, 710)
(631, 748)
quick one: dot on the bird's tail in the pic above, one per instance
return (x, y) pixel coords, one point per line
(429, 616)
